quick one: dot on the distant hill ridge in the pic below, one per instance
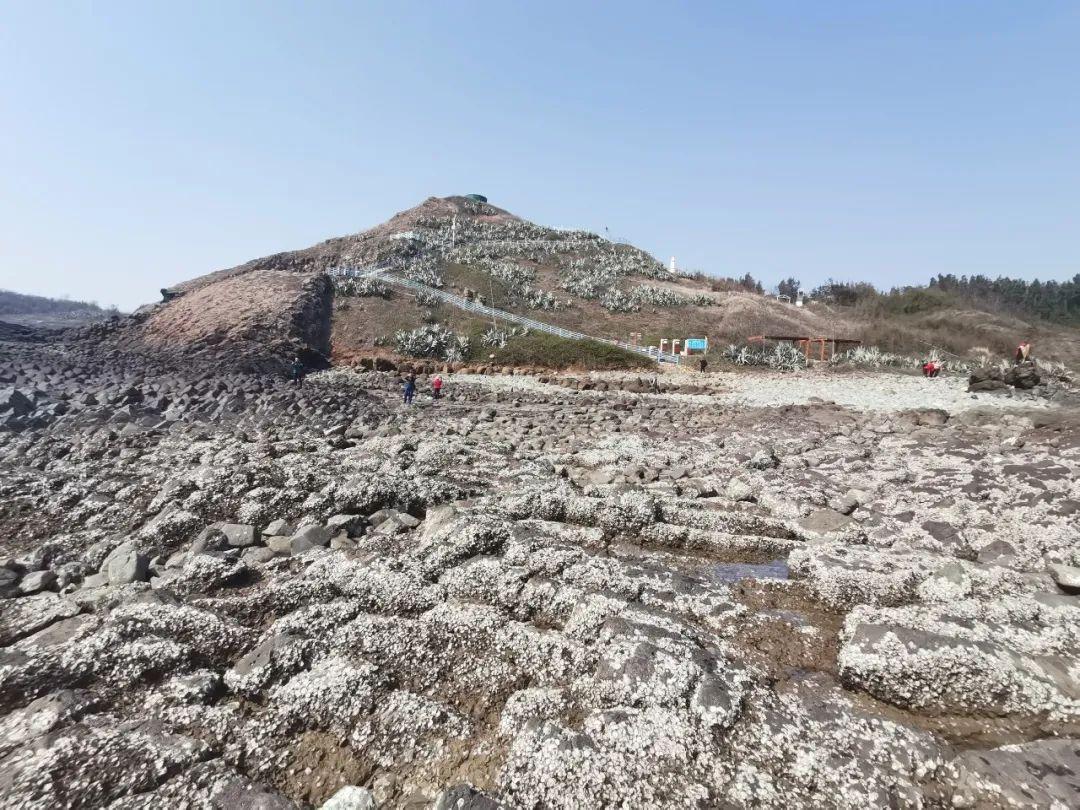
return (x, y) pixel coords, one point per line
(13, 303)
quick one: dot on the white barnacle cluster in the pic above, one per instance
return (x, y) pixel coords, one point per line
(333, 694)
(556, 592)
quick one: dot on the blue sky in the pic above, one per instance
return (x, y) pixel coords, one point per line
(145, 143)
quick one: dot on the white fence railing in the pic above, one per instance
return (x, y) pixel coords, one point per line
(475, 306)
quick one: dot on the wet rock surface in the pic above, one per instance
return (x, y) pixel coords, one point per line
(220, 590)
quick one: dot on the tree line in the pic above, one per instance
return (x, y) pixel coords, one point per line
(1050, 300)
(13, 303)
(1055, 301)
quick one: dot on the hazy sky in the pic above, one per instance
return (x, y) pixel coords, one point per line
(148, 142)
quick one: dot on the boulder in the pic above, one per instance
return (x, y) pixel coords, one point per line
(986, 379)
(350, 797)
(15, 401)
(38, 581)
(239, 535)
(351, 525)
(126, 564)
(312, 536)
(279, 528)
(1067, 577)
(1024, 376)
(764, 459)
(739, 490)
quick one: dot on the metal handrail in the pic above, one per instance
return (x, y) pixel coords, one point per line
(472, 306)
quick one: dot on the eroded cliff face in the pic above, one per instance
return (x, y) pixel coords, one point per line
(311, 316)
(255, 321)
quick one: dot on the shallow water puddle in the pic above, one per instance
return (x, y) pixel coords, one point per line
(733, 572)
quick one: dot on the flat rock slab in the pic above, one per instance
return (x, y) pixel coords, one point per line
(930, 671)
(22, 617)
(1045, 773)
(825, 524)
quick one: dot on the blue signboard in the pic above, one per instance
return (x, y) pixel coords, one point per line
(696, 343)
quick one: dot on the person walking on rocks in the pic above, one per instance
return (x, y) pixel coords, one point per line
(436, 387)
(702, 364)
(1023, 352)
(296, 371)
(410, 388)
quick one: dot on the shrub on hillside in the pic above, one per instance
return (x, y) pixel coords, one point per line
(551, 351)
(615, 300)
(782, 357)
(425, 298)
(361, 287)
(431, 340)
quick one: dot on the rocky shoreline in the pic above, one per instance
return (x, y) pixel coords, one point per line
(223, 591)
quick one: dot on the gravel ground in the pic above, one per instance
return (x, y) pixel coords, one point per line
(863, 391)
(860, 391)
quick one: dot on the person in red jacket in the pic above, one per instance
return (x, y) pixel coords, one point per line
(436, 387)
(931, 368)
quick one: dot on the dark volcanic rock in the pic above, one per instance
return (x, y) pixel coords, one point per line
(1024, 376)
(986, 379)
